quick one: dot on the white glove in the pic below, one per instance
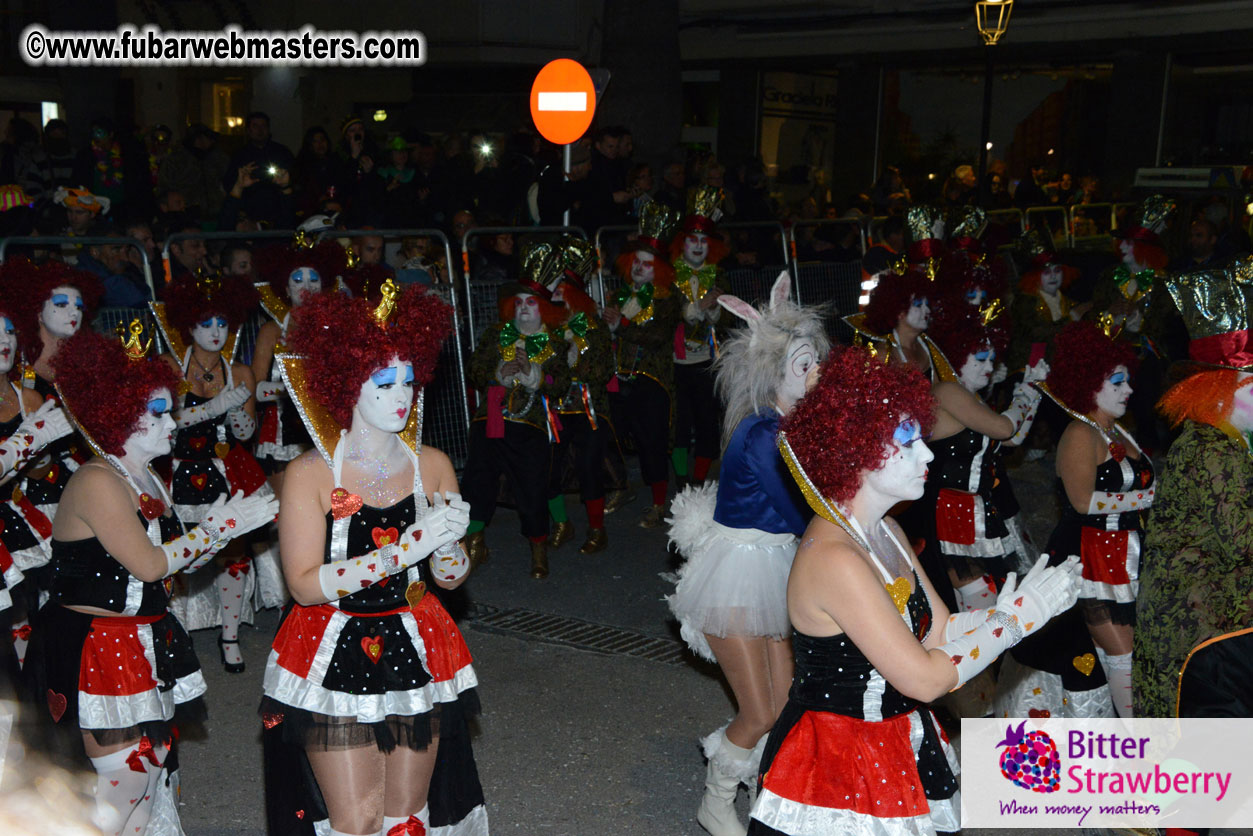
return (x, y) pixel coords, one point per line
(269, 391)
(39, 429)
(1104, 502)
(1020, 611)
(450, 562)
(692, 314)
(1036, 373)
(219, 404)
(1023, 407)
(442, 525)
(242, 424)
(225, 521)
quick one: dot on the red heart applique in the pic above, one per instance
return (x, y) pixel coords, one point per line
(1117, 452)
(39, 425)
(198, 442)
(1039, 712)
(300, 814)
(151, 508)
(56, 705)
(384, 536)
(199, 480)
(1144, 479)
(344, 504)
(373, 647)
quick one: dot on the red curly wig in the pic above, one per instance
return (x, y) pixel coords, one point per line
(275, 264)
(958, 329)
(891, 297)
(663, 271)
(1083, 357)
(364, 280)
(343, 345)
(187, 304)
(718, 249)
(36, 283)
(1205, 397)
(842, 428)
(106, 391)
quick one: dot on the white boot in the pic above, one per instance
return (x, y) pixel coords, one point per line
(728, 766)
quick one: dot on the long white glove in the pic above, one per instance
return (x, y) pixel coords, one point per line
(39, 429)
(1104, 502)
(450, 562)
(219, 404)
(224, 522)
(242, 424)
(1021, 609)
(1024, 405)
(269, 391)
(442, 525)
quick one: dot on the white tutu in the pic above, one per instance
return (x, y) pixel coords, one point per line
(733, 580)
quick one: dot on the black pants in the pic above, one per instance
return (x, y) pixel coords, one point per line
(585, 448)
(523, 455)
(696, 412)
(641, 410)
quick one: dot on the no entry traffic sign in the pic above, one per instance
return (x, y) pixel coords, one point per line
(563, 100)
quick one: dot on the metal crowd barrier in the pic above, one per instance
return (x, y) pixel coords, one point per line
(61, 241)
(1009, 215)
(836, 283)
(857, 222)
(1043, 212)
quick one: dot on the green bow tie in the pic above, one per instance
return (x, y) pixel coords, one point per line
(643, 294)
(1144, 278)
(578, 324)
(535, 343)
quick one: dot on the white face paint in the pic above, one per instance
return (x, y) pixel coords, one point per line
(977, 370)
(62, 312)
(642, 268)
(8, 344)
(801, 358)
(154, 434)
(211, 334)
(918, 316)
(695, 248)
(1051, 279)
(526, 315)
(303, 283)
(387, 397)
(904, 473)
(976, 295)
(1242, 407)
(1114, 392)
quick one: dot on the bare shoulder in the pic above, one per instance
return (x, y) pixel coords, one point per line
(31, 400)
(1080, 436)
(173, 363)
(242, 374)
(437, 470)
(97, 480)
(309, 465)
(268, 331)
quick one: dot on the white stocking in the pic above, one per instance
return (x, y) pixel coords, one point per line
(21, 629)
(975, 596)
(123, 795)
(1118, 671)
(231, 594)
(398, 824)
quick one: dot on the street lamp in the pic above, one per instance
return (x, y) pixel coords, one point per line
(992, 18)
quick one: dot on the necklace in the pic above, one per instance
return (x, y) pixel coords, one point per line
(205, 374)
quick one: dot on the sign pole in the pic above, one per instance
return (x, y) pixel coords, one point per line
(565, 164)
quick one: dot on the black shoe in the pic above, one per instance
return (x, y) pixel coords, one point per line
(237, 667)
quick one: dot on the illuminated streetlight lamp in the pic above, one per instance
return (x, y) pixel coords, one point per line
(992, 17)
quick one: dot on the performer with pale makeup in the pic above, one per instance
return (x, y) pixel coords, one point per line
(369, 676)
(200, 319)
(855, 750)
(896, 319)
(116, 668)
(738, 537)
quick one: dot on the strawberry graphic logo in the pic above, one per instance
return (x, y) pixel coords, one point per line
(1030, 759)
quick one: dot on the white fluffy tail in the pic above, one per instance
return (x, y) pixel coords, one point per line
(691, 512)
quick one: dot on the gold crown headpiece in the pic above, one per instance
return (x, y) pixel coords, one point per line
(136, 350)
(989, 312)
(658, 222)
(387, 305)
(920, 220)
(968, 222)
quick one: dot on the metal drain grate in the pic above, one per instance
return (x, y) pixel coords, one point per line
(574, 632)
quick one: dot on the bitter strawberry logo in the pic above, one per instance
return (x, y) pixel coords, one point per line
(1030, 759)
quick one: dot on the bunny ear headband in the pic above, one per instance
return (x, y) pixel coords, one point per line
(779, 294)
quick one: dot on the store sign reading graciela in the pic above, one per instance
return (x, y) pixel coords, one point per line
(798, 93)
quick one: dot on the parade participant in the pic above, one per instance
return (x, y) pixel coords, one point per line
(643, 317)
(695, 254)
(967, 271)
(926, 234)
(520, 370)
(586, 431)
(1194, 590)
(739, 536)
(895, 319)
(969, 548)
(117, 543)
(27, 425)
(854, 749)
(1108, 485)
(291, 275)
(368, 675)
(1040, 309)
(215, 415)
